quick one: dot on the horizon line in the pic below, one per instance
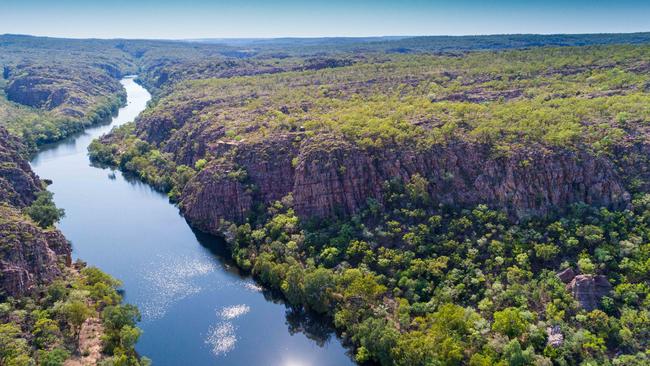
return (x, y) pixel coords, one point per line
(323, 37)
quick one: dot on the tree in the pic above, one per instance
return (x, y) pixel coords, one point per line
(418, 190)
(55, 357)
(586, 265)
(45, 332)
(293, 285)
(319, 285)
(516, 356)
(44, 211)
(116, 317)
(441, 338)
(120, 331)
(129, 336)
(509, 322)
(13, 348)
(75, 312)
(200, 164)
(378, 338)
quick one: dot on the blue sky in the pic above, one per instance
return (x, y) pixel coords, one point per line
(257, 18)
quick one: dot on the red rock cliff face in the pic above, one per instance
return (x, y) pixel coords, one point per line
(29, 255)
(18, 184)
(327, 175)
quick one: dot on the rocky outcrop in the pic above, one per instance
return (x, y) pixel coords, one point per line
(589, 289)
(29, 255)
(566, 275)
(36, 92)
(64, 89)
(328, 175)
(18, 184)
(555, 338)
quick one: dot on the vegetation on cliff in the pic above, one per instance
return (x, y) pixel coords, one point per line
(414, 285)
(440, 206)
(47, 306)
(353, 192)
(45, 328)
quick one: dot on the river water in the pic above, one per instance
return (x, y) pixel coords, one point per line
(196, 307)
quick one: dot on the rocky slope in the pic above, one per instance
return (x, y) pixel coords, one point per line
(332, 176)
(332, 138)
(18, 184)
(29, 255)
(60, 88)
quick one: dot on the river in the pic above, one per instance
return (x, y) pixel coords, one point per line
(197, 309)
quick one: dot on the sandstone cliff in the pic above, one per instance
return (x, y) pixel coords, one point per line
(64, 90)
(29, 255)
(333, 138)
(327, 175)
(18, 184)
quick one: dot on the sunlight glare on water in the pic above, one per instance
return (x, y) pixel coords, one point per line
(197, 308)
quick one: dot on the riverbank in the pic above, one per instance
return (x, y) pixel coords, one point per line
(196, 306)
(46, 301)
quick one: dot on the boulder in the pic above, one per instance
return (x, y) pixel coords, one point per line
(589, 289)
(555, 336)
(566, 275)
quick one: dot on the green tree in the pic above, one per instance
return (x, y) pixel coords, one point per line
(75, 312)
(44, 211)
(319, 285)
(515, 356)
(509, 322)
(14, 349)
(46, 332)
(55, 357)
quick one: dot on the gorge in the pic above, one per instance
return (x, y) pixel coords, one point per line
(474, 200)
(196, 306)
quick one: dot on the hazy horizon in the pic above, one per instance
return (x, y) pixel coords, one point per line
(200, 39)
(203, 19)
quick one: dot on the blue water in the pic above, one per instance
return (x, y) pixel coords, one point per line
(197, 309)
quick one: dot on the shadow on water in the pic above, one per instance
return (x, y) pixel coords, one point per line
(71, 140)
(314, 326)
(218, 248)
(200, 308)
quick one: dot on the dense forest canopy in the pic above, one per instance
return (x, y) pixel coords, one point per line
(479, 200)
(549, 267)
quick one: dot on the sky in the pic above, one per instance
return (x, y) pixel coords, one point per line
(190, 19)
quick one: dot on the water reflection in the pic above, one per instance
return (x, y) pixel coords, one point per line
(222, 336)
(198, 308)
(314, 327)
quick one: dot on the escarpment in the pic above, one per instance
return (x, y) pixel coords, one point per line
(57, 88)
(18, 184)
(329, 176)
(29, 254)
(332, 138)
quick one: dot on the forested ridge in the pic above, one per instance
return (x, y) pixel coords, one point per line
(441, 200)
(473, 208)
